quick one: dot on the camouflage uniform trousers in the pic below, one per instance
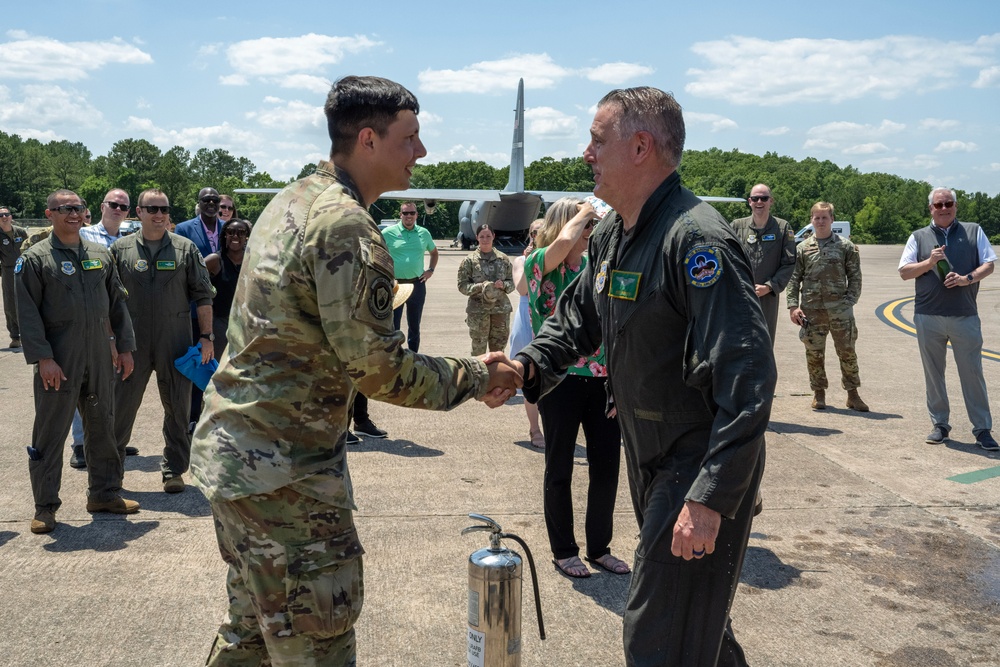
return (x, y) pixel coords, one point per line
(488, 330)
(295, 582)
(842, 328)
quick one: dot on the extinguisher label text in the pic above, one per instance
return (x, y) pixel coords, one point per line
(473, 608)
(477, 648)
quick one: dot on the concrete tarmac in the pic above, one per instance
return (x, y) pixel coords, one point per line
(867, 553)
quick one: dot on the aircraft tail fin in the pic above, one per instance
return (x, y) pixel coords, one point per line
(516, 181)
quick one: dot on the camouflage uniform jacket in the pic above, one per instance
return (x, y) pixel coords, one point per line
(827, 275)
(10, 245)
(310, 326)
(476, 271)
(37, 237)
(65, 299)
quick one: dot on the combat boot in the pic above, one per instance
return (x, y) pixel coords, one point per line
(819, 400)
(44, 522)
(854, 401)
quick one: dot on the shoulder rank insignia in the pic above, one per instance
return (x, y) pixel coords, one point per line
(91, 264)
(702, 266)
(67, 268)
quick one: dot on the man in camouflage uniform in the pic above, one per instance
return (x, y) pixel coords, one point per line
(486, 277)
(822, 293)
(770, 246)
(11, 238)
(67, 292)
(163, 273)
(311, 326)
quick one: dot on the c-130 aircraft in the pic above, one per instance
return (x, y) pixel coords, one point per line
(509, 211)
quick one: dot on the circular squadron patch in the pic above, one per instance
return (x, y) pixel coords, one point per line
(67, 268)
(380, 297)
(141, 265)
(702, 266)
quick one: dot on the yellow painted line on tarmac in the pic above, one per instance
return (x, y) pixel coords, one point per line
(891, 313)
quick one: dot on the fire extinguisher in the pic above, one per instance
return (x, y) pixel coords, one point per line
(494, 632)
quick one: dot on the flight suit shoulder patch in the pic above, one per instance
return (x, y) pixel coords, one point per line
(19, 265)
(702, 266)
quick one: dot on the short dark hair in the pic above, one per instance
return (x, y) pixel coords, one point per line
(53, 199)
(357, 102)
(647, 109)
(149, 192)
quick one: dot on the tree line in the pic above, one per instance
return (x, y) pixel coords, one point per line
(882, 208)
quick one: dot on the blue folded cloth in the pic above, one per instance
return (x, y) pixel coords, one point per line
(191, 367)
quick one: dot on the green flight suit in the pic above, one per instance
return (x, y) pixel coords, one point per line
(10, 250)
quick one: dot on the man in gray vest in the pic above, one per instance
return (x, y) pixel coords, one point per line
(948, 259)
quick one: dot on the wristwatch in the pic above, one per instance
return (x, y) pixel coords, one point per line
(209, 336)
(969, 278)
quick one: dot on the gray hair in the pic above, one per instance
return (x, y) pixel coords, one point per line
(930, 197)
(647, 109)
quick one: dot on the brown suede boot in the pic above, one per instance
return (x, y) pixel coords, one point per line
(854, 401)
(819, 400)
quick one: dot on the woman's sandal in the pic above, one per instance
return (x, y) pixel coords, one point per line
(537, 439)
(611, 564)
(571, 567)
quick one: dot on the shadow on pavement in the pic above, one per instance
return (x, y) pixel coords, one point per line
(6, 536)
(786, 428)
(395, 447)
(190, 502)
(606, 589)
(763, 569)
(104, 533)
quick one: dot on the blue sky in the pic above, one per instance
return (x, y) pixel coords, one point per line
(909, 88)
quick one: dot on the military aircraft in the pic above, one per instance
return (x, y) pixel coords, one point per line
(509, 211)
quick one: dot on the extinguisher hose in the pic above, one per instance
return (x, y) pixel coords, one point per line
(534, 581)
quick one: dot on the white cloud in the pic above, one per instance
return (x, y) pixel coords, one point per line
(866, 149)
(276, 56)
(47, 106)
(956, 146)
(293, 116)
(717, 122)
(495, 76)
(819, 143)
(549, 123)
(143, 103)
(459, 153)
(314, 84)
(43, 136)
(237, 141)
(233, 80)
(45, 59)
(748, 70)
(901, 164)
(776, 132)
(938, 124)
(614, 74)
(841, 133)
(988, 77)
(994, 166)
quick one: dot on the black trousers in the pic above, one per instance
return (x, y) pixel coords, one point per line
(359, 409)
(579, 401)
(414, 311)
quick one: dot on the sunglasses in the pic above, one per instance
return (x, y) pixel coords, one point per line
(225, 207)
(238, 232)
(943, 204)
(114, 206)
(68, 208)
(407, 212)
(4, 215)
(156, 209)
(757, 198)
(210, 200)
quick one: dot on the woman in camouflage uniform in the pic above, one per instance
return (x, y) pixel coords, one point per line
(486, 277)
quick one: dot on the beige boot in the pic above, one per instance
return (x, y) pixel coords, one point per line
(819, 400)
(854, 401)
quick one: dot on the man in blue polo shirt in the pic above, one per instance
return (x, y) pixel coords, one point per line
(407, 242)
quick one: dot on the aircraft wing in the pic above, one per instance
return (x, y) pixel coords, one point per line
(442, 194)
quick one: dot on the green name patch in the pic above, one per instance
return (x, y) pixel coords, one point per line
(91, 264)
(624, 285)
(165, 265)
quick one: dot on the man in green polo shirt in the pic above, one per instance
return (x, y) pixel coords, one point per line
(407, 242)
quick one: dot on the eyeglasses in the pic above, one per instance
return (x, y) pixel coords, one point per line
(943, 204)
(757, 198)
(226, 207)
(407, 212)
(156, 209)
(533, 233)
(210, 200)
(68, 208)
(237, 232)
(4, 215)
(114, 206)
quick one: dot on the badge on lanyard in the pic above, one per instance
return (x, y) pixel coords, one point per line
(91, 264)
(602, 278)
(141, 265)
(624, 285)
(165, 265)
(67, 268)
(702, 266)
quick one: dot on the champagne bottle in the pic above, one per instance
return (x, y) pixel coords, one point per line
(943, 266)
